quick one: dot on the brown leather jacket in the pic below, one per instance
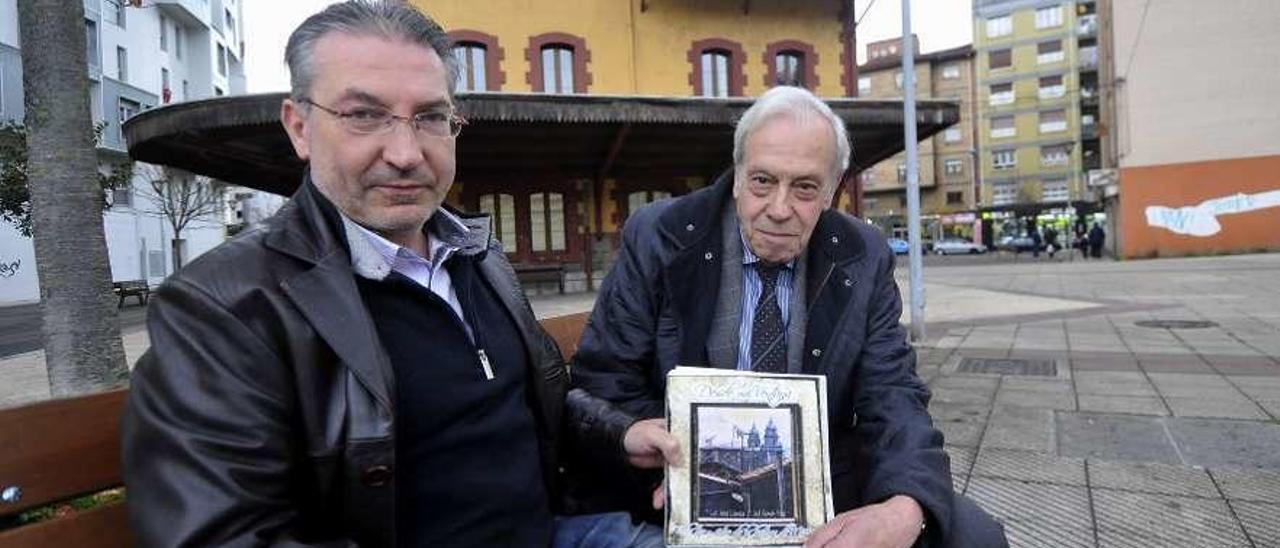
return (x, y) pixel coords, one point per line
(263, 413)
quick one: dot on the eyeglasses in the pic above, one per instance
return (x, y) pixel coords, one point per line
(374, 120)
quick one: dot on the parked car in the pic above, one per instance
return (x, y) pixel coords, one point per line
(899, 246)
(1016, 244)
(956, 246)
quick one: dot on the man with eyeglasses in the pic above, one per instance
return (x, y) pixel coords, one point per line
(363, 369)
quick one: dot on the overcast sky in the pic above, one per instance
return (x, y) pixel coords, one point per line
(940, 24)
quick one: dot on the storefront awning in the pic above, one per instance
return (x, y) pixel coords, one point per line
(240, 140)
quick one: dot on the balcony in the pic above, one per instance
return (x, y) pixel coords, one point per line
(1089, 57)
(1088, 96)
(1087, 26)
(190, 13)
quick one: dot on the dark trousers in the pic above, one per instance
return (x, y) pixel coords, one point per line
(973, 527)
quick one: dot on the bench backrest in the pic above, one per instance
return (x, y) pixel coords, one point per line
(58, 450)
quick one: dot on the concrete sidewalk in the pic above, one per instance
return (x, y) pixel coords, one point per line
(1065, 418)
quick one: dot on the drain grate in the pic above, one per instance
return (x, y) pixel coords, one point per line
(1176, 324)
(1008, 366)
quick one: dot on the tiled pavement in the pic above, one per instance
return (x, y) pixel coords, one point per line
(1139, 437)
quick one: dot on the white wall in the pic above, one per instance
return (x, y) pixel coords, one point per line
(18, 281)
(1203, 83)
(9, 22)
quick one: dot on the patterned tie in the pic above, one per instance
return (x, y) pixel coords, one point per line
(768, 339)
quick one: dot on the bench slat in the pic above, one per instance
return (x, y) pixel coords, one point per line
(101, 527)
(59, 449)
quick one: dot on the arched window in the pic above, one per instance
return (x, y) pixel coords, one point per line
(715, 73)
(546, 222)
(472, 73)
(502, 219)
(557, 68)
(790, 63)
(789, 68)
(636, 200)
(558, 63)
(716, 68)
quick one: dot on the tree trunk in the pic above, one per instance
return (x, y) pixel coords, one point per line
(176, 247)
(83, 351)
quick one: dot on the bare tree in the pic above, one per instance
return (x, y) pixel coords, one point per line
(81, 334)
(181, 198)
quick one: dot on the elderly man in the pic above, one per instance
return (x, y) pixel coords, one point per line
(363, 369)
(755, 273)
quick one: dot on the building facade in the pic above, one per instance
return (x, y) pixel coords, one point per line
(632, 48)
(948, 180)
(139, 56)
(1039, 124)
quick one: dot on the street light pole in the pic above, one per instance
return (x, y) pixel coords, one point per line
(913, 175)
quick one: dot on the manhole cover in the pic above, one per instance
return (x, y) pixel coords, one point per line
(1176, 324)
(1008, 366)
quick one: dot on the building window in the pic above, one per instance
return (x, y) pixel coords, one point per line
(902, 173)
(1049, 52)
(1055, 155)
(951, 135)
(1051, 87)
(177, 41)
(231, 22)
(897, 79)
(471, 66)
(954, 166)
(864, 85)
(1004, 193)
(715, 74)
(1003, 126)
(164, 34)
(950, 72)
(1055, 190)
(955, 197)
(91, 42)
(1002, 94)
(546, 222)
(1000, 59)
(502, 219)
(557, 69)
(165, 94)
(186, 90)
(999, 26)
(638, 199)
(789, 68)
(122, 64)
(1004, 159)
(115, 9)
(222, 60)
(128, 109)
(122, 196)
(1053, 121)
(1049, 17)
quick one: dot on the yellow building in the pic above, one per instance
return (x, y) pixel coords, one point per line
(947, 178)
(1037, 75)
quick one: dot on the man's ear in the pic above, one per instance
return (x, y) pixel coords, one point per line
(294, 119)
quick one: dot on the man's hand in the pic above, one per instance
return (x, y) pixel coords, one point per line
(649, 445)
(894, 523)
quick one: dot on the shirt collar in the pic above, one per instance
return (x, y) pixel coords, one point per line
(375, 257)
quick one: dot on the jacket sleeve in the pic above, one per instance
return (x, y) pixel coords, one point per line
(616, 357)
(208, 448)
(901, 452)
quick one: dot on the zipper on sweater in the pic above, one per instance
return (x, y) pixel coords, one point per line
(468, 310)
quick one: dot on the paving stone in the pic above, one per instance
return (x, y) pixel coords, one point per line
(961, 461)
(1237, 407)
(1098, 364)
(1025, 428)
(1253, 366)
(1029, 466)
(1036, 515)
(1258, 387)
(1114, 437)
(1035, 384)
(1141, 520)
(962, 395)
(1108, 383)
(1217, 442)
(1261, 521)
(1063, 399)
(966, 382)
(961, 424)
(1251, 484)
(1148, 477)
(1133, 405)
(1272, 407)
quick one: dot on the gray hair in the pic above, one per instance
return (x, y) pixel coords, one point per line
(390, 19)
(799, 104)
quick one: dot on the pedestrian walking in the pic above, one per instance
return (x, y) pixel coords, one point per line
(1097, 237)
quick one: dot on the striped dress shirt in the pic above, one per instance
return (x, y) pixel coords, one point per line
(751, 288)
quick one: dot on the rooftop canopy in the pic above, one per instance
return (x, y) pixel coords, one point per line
(240, 140)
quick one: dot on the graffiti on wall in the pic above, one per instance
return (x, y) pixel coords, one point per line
(9, 270)
(1202, 219)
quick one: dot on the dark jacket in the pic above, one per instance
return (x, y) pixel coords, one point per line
(263, 413)
(654, 312)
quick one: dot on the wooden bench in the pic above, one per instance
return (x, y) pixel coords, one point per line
(540, 272)
(132, 288)
(56, 451)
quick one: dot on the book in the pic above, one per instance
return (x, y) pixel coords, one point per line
(755, 470)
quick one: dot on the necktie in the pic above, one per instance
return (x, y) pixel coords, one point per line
(768, 338)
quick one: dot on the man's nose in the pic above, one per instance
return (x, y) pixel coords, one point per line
(779, 207)
(401, 148)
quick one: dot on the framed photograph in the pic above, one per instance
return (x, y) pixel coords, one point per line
(755, 471)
